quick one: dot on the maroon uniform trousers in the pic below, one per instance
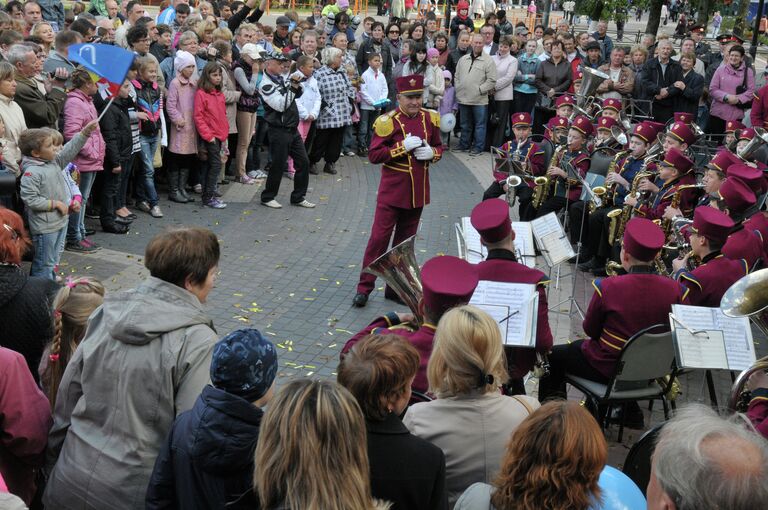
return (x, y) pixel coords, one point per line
(501, 266)
(707, 283)
(404, 186)
(422, 339)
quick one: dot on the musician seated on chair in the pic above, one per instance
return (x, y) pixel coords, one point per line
(714, 174)
(754, 178)
(732, 127)
(714, 274)
(525, 153)
(707, 462)
(556, 130)
(743, 137)
(491, 220)
(674, 171)
(679, 136)
(565, 187)
(604, 136)
(612, 108)
(618, 183)
(620, 307)
(447, 282)
(744, 241)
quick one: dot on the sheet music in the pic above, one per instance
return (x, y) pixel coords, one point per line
(519, 299)
(546, 225)
(705, 350)
(736, 332)
(476, 252)
(524, 243)
(551, 238)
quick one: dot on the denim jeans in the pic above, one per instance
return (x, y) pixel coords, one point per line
(76, 228)
(145, 188)
(348, 143)
(364, 128)
(48, 248)
(702, 117)
(473, 120)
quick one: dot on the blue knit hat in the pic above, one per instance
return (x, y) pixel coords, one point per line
(244, 363)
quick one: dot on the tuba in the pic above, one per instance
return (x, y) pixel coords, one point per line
(749, 150)
(589, 83)
(398, 267)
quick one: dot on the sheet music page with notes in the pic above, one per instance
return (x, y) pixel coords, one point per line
(551, 238)
(736, 332)
(476, 252)
(518, 324)
(524, 249)
(705, 350)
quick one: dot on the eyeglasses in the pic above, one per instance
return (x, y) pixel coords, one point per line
(394, 31)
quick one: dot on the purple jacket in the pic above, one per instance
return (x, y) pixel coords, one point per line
(449, 103)
(724, 82)
(79, 111)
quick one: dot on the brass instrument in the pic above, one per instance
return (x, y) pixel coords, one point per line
(543, 183)
(520, 166)
(597, 198)
(541, 366)
(666, 223)
(749, 150)
(591, 80)
(611, 170)
(612, 268)
(738, 399)
(626, 211)
(512, 182)
(398, 267)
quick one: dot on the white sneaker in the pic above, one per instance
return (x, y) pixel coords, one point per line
(305, 203)
(273, 204)
(252, 174)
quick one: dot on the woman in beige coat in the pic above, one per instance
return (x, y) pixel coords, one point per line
(12, 117)
(471, 421)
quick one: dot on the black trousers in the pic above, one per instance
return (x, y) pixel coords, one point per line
(110, 187)
(285, 142)
(524, 195)
(563, 359)
(599, 222)
(209, 172)
(662, 113)
(578, 222)
(504, 110)
(540, 118)
(716, 125)
(552, 204)
(327, 145)
(524, 103)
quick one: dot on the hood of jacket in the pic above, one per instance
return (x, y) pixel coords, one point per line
(224, 429)
(154, 308)
(12, 280)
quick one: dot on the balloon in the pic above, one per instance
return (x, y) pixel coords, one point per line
(447, 122)
(619, 492)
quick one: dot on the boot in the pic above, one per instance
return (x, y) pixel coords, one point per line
(173, 187)
(329, 168)
(183, 178)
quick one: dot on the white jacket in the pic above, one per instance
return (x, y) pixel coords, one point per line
(373, 88)
(309, 101)
(434, 92)
(13, 117)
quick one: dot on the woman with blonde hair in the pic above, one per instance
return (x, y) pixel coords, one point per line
(204, 30)
(470, 420)
(43, 31)
(553, 461)
(312, 451)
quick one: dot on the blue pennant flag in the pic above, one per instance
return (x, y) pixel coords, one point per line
(109, 62)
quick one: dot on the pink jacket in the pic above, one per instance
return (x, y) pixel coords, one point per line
(180, 106)
(79, 111)
(724, 82)
(211, 115)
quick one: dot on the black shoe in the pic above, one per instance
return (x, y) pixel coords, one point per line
(115, 228)
(123, 221)
(634, 419)
(89, 231)
(329, 168)
(393, 297)
(588, 265)
(92, 213)
(360, 300)
(313, 169)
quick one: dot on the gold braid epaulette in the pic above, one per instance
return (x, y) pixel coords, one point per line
(384, 125)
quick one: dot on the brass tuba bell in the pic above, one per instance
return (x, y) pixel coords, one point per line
(760, 139)
(398, 267)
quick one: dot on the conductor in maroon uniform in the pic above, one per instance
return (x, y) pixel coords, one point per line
(708, 282)
(405, 141)
(621, 306)
(491, 219)
(447, 282)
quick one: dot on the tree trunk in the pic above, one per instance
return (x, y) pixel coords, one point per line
(741, 18)
(703, 14)
(654, 18)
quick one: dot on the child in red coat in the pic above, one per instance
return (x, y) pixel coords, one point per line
(213, 128)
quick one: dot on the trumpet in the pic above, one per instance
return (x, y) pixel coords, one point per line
(512, 182)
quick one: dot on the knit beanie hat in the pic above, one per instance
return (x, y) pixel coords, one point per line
(343, 4)
(183, 59)
(432, 52)
(244, 363)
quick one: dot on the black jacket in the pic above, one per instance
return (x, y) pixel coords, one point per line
(688, 100)
(26, 319)
(207, 459)
(405, 469)
(453, 59)
(116, 129)
(654, 80)
(366, 48)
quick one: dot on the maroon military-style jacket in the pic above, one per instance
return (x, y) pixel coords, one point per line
(688, 199)
(708, 282)
(580, 161)
(622, 306)
(759, 223)
(757, 412)
(744, 243)
(422, 339)
(501, 266)
(530, 151)
(404, 179)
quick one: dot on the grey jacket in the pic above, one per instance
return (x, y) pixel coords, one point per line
(43, 182)
(474, 79)
(144, 360)
(476, 497)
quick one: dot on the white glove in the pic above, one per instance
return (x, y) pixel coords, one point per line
(424, 153)
(411, 142)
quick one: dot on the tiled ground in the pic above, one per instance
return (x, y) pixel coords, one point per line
(292, 272)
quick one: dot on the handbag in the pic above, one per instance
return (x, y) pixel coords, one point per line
(743, 88)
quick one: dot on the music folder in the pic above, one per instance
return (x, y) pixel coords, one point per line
(551, 239)
(514, 307)
(472, 249)
(706, 338)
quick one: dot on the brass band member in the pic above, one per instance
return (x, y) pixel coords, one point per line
(491, 220)
(679, 136)
(744, 241)
(564, 106)
(731, 128)
(708, 282)
(714, 174)
(604, 134)
(522, 149)
(618, 183)
(557, 130)
(754, 178)
(565, 187)
(612, 317)
(612, 108)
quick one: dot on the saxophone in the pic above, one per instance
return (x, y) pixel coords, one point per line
(619, 220)
(611, 192)
(543, 183)
(666, 223)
